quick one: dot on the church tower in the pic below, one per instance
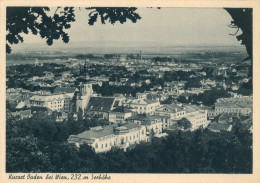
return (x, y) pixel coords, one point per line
(86, 92)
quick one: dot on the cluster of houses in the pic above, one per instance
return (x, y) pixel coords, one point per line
(132, 120)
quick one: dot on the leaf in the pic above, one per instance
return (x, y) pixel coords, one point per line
(93, 19)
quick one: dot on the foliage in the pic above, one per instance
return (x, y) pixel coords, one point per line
(52, 26)
(184, 123)
(209, 97)
(242, 19)
(201, 151)
(36, 19)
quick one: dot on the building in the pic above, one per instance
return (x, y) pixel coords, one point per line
(235, 105)
(59, 102)
(103, 139)
(119, 114)
(174, 111)
(100, 106)
(151, 122)
(48, 75)
(141, 106)
(197, 116)
(83, 96)
(218, 127)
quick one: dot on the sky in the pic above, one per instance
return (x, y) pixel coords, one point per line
(157, 27)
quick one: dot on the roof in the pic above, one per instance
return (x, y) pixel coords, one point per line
(116, 104)
(122, 109)
(104, 104)
(247, 124)
(244, 102)
(225, 117)
(92, 134)
(20, 105)
(174, 107)
(107, 130)
(143, 101)
(144, 117)
(219, 126)
(60, 90)
(48, 98)
(192, 108)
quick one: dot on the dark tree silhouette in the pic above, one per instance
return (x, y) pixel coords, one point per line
(51, 26)
(242, 20)
(36, 19)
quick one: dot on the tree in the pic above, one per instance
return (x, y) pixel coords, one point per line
(52, 26)
(184, 123)
(24, 155)
(242, 20)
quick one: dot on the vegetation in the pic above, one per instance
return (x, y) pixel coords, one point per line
(40, 144)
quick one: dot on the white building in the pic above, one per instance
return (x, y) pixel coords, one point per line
(197, 116)
(119, 114)
(53, 102)
(143, 106)
(238, 105)
(83, 96)
(151, 122)
(174, 111)
(102, 139)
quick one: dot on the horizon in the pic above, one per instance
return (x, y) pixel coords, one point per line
(193, 27)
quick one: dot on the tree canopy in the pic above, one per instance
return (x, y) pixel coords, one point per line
(52, 26)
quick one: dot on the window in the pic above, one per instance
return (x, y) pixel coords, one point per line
(142, 131)
(101, 146)
(96, 145)
(134, 137)
(106, 144)
(130, 137)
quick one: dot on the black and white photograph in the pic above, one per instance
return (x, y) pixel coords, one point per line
(128, 90)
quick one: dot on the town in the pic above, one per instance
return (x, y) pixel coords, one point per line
(127, 98)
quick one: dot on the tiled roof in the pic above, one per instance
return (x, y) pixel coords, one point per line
(104, 104)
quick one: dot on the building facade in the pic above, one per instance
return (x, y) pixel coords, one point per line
(103, 139)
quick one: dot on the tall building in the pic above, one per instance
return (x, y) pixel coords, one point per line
(83, 96)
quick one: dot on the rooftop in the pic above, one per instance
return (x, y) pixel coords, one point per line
(100, 103)
(107, 130)
(219, 126)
